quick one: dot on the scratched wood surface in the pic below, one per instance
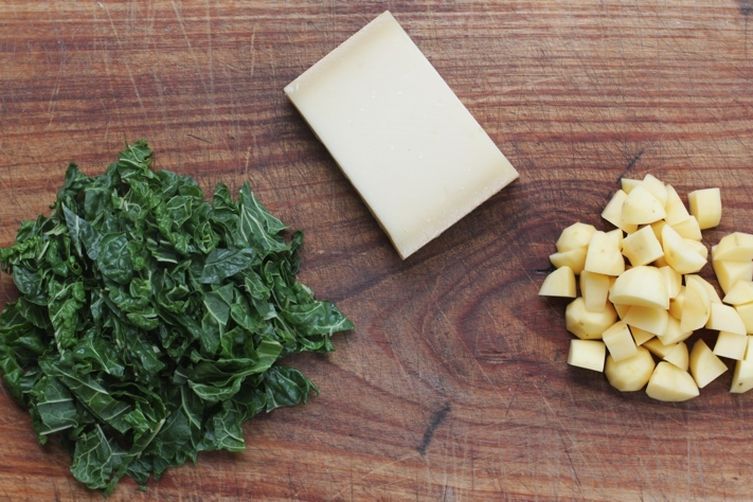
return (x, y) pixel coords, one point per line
(454, 385)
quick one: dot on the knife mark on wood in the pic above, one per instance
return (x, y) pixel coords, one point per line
(434, 422)
(632, 162)
(746, 7)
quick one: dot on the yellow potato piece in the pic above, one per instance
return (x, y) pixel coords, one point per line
(742, 377)
(641, 336)
(631, 374)
(657, 348)
(588, 354)
(679, 254)
(677, 303)
(737, 246)
(673, 279)
(740, 293)
(670, 383)
(706, 206)
(731, 345)
(675, 209)
(673, 334)
(725, 318)
(641, 207)
(710, 289)
(696, 308)
(704, 365)
(642, 286)
(619, 341)
(628, 184)
(575, 259)
(577, 235)
(642, 247)
(603, 255)
(613, 212)
(594, 288)
(728, 273)
(588, 325)
(688, 228)
(746, 314)
(678, 355)
(560, 283)
(649, 319)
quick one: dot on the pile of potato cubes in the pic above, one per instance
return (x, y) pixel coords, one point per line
(642, 298)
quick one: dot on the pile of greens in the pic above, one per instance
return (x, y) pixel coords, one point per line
(150, 322)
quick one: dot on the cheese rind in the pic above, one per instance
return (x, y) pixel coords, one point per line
(415, 154)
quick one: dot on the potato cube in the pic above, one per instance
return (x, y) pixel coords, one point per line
(560, 283)
(641, 336)
(641, 207)
(725, 318)
(696, 308)
(627, 184)
(677, 303)
(675, 209)
(621, 310)
(737, 246)
(679, 254)
(595, 288)
(642, 247)
(577, 235)
(603, 255)
(673, 279)
(678, 355)
(657, 348)
(673, 334)
(619, 341)
(642, 286)
(688, 228)
(706, 206)
(731, 345)
(710, 289)
(728, 273)
(740, 293)
(648, 319)
(588, 354)
(657, 188)
(746, 314)
(575, 259)
(613, 212)
(631, 374)
(670, 383)
(704, 365)
(697, 246)
(588, 325)
(742, 377)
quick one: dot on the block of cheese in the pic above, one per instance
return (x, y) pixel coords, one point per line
(415, 154)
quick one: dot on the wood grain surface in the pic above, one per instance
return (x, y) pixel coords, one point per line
(454, 385)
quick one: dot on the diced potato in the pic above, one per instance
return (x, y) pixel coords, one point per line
(641, 207)
(673, 334)
(731, 345)
(656, 187)
(673, 279)
(588, 354)
(740, 293)
(561, 283)
(577, 235)
(698, 247)
(648, 319)
(678, 355)
(670, 383)
(706, 206)
(688, 228)
(619, 341)
(696, 308)
(728, 273)
(588, 325)
(603, 256)
(737, 246)
(657, 228)
(657, 348)
(725, 318)
(631, 374)
(575, 259)
(704, 365)
(678, 254)
(613, 212)
(628, 184)
(641, 336)
(677, 303)
(746, 314)
(595, 288)
(661, 262)
(675, 209)
(742, 377)
(710, 289)
(621, 310)
(642, 286)
(642, 247)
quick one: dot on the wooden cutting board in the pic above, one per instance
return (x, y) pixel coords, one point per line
(454, 385)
